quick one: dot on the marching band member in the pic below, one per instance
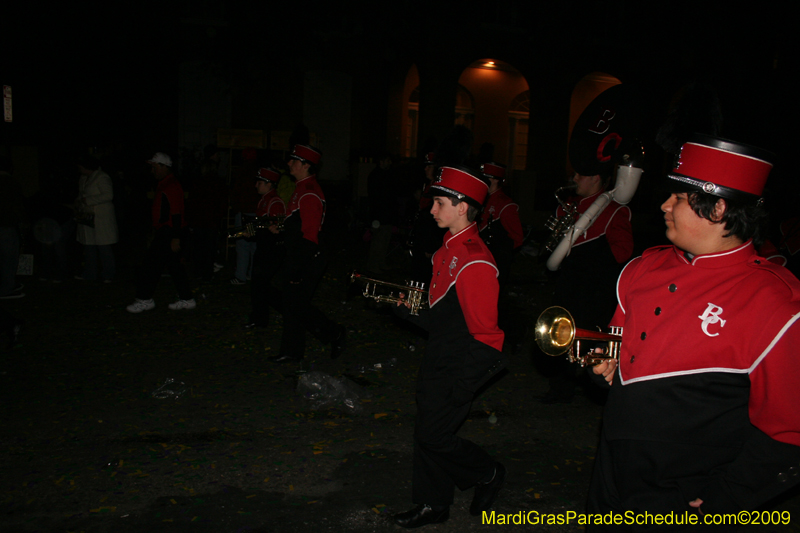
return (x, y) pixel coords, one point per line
(586, 280)
(500, 226)
(425, 234)
(464, 351)
(701, 416)
(305, 262)
(269, 255)
(600, 138)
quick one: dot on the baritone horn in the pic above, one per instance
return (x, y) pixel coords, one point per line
(414, 292)
(556, 334)
(560, 226)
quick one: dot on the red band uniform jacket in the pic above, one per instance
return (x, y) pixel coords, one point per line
(304, 217)
(501, 210)
(270, 205)
(501, 230)
(464, 343)
(707, 391)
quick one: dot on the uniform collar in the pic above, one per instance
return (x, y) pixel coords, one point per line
(740, 254)
(593, 197)
(312, 176)
(465, 234)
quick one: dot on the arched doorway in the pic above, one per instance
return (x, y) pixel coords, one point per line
(408, 146)
(501, 105)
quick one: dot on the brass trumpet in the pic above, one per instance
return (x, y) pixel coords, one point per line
(249, 229)
(556, 334)
(415, 293)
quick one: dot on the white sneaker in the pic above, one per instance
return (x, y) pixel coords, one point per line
(183, 304)
(141, 305)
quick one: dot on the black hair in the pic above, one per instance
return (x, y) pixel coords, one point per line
(472, 211)
(745, 220)
(312, 168)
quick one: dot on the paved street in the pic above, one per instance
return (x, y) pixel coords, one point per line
(97, 438)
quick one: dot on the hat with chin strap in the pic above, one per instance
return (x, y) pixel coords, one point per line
(461, 183)
(493, 170)
(306, 154)
(268, 174)
(722, 168)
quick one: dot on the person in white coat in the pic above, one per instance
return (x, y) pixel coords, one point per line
(97, 221)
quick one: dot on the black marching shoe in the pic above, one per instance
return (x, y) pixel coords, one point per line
(486, 493)
(421, 515)
(338, 344)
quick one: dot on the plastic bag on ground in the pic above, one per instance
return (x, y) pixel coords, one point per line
(324, 391)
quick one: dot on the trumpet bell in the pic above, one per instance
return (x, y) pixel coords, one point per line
(555, 331)
(556, 334)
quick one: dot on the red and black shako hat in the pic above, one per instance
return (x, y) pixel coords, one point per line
(462, 183)
(722, 168)
(268, 174)
(494, 170)
(306, 154)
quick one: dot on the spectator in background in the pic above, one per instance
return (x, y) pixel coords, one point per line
(383, 212)
(168, 221)
(12, 215)
(244, 200)
(205, 213)
(97, 222)
(54, 228)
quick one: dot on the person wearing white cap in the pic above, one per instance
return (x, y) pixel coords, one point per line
(168, 221)
(701, 417)
(464, 352)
